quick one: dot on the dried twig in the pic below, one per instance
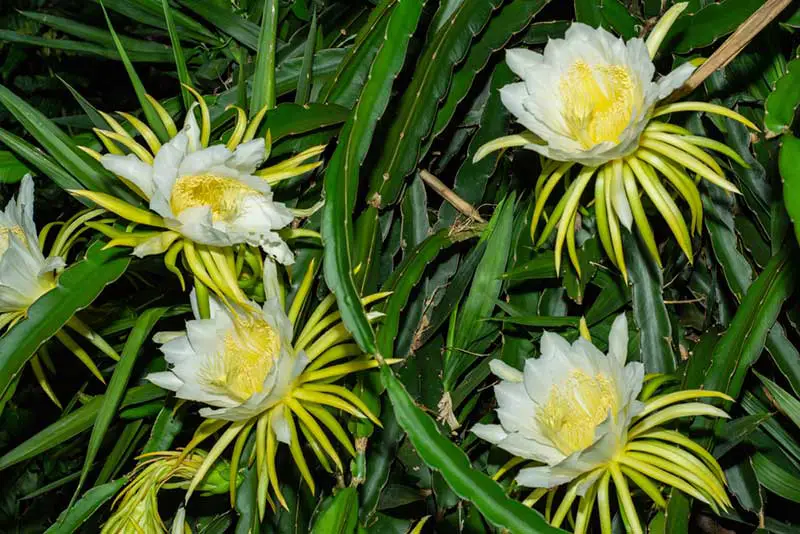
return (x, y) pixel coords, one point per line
(733, 45)
(449, 195)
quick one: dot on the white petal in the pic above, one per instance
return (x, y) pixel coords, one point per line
(132, 169)
(504, 371)
(248, 156)
(618, 340)
(545, 476)
(491, 433)
(280, 427)
(634, 377)
(201, 161)
(165, 168)
(620, 201)
(521, 61)
(674, 80)
(165, 380)
(192, 130)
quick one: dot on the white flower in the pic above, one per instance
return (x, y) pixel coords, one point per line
(570, 409)
(589, 96)
(25, 274)
(240, 362)
(208, 195)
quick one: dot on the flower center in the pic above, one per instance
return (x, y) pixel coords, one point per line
(598, 102)
(222, 194)
(249, 352)
(5, 237)
(575, 408)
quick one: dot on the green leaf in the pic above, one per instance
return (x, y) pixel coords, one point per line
(345, 85)
(177, 52)
(166, 427)
(405, 278)
(264, 77)
(420, 99)
(325, 64)
(484, 292)
(226, 21)
(540, 321)
(785, 402)
(117, 386)
(341, 178)
(539, 268)
(380, 457)
(77, 287)
(719, 208)
(714, 21)
(611, 14)
(781, 104)
(782, 479)
(87, 174)
(649, 310)
(73, 424)
(341, 514)
(304, 82)
(73, 517)
(441, 454)
(789, 164)
(472, 177)
(79, 47)
(539, 32)
(11, 169)
(96, 35)
(511, 19)
(744, 340)
(124, 446)
(150, 12)
(288, 119)
(147, 108)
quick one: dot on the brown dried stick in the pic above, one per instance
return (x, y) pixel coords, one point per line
(733, 45)
(449, 195)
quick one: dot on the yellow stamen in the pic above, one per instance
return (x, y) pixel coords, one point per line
(575, 408)
(598, 102)
(223, 195)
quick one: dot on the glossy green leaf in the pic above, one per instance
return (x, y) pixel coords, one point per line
(341, 514)
(264, 77)
(779, 479)
(345, 85)
(714, 21)
(441, 454)
(304, 82)
(418, 103)
(126, 441)
(177, 53)
(117, 386)
(289, 119)
(73, 424)
(744, 340)
(539, 32)
(80, 47)
(73, 517)
(226, 21)
(649, 311)
(341, 178)
(147, 108)
(483, 293)
(789, 164)
(473, 177)
(77, 287)
(11, 169)
(510, 19)
(781, 105)
(788, 404)
(87, 173)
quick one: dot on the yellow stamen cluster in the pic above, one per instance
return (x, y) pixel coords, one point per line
(575, 408)
(651, 455)
(223, 195)
(248, 354)
(598, 101)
